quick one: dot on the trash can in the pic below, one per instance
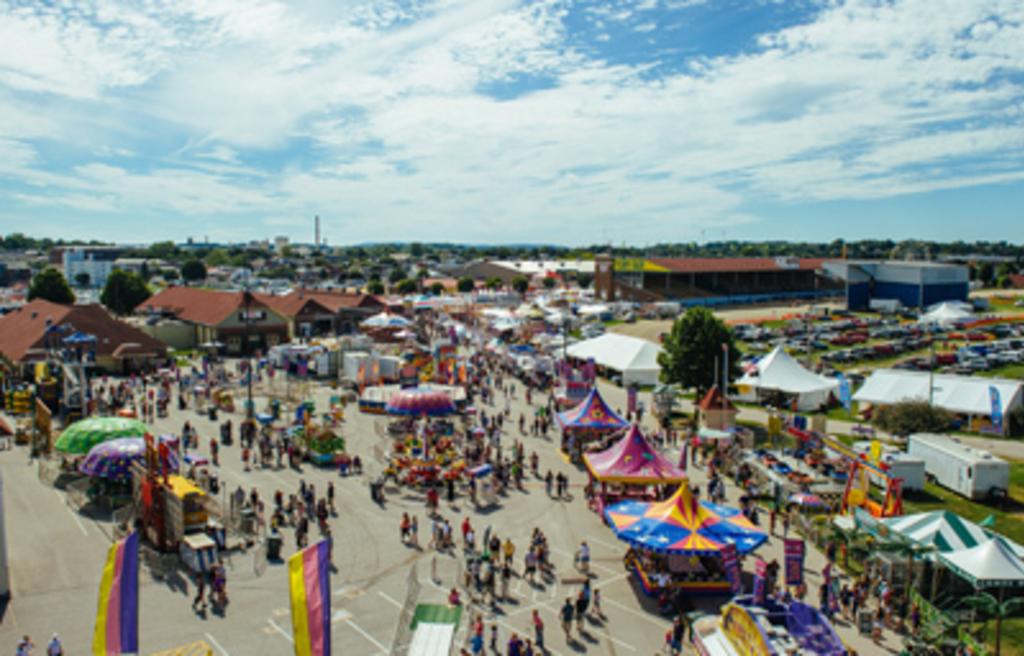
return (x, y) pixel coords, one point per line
(212, 413)
(274, 546)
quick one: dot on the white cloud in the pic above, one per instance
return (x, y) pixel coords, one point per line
(373, 115)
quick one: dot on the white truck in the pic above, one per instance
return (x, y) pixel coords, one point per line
(970, 472)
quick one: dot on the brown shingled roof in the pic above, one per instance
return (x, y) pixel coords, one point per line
(293, 303)
(207, 307)
(25, 328)
(714, 400)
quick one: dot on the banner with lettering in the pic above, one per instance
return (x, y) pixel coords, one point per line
(631, 395)
(731, 565)
(760, 581)
(794, 550)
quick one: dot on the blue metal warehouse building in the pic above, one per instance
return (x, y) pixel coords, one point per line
(914, 284)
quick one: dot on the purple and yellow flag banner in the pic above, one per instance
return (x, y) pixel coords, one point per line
(310, 589)
(117, 614)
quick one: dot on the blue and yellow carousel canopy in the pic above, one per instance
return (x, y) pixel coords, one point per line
(683, 525)
(592, 414)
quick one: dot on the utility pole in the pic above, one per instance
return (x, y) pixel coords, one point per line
(249, 409)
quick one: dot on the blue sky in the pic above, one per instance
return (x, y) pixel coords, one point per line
(562, 121)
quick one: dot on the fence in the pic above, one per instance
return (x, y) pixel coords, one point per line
(403, 629)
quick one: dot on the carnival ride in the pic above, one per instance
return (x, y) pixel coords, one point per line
(590, 421)
(678, 544)
(630, 469)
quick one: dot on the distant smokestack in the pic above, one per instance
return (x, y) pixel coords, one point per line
(316, 224)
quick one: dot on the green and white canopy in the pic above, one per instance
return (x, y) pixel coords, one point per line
(989, 565)
(943, 531)
(433, 628)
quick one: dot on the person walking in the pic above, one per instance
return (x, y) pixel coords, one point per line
(55, 648)
(538, 630)
(25, 646)
(199, 603)
(566, 614)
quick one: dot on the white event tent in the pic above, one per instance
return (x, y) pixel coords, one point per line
(991, 564)
(636, 359)
(946, 314)
(965, 395)
(778, 372)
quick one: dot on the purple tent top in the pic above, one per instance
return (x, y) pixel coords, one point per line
(592, 414)
(633, 460)
(113, 458)
(416, 401)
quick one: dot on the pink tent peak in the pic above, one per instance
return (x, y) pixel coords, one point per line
(633, 460)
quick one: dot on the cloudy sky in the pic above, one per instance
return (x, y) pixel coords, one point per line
(491, 121)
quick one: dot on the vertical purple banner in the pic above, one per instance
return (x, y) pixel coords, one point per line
(731, 565)
(794, 550)
(760, 581)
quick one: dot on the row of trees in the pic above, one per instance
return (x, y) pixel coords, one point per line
(122, 293)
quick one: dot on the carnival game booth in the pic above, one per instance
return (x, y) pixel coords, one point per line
(589, 422)
(376, 399)
(770, 628)
(680, 544)
(630, 469)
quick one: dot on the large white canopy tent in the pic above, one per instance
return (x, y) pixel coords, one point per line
(946, 314)
(778, 372)
(966, 395)
(634, 358)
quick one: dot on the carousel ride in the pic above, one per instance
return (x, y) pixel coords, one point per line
(630, 469)
(591, 422)
(679, 544)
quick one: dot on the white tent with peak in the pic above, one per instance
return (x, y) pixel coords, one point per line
(947, 314)
(991, 564)
(777, 372)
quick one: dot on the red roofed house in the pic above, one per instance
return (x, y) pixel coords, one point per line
(241, 321)
(28, 333)
(716, 411)
(312, 313)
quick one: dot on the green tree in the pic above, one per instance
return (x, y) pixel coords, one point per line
(906, 417)
(124, 291)
(466, 284)
(218, 257)
(995, 608)
(162, 250)
(437, 289)
(416, 249)
(193, 271)
(50, 285)
(170, 274)
(375, 287)
(82, 279)
(493, 283)
(521, 284)
(405, 286)
(584, 280)
(692, 347)
(396, 275)
(549, 282)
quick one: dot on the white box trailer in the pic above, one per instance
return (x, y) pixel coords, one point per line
(898, 465)
(970, 472)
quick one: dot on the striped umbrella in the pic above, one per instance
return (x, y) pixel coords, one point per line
(81, 436)
(113, 459)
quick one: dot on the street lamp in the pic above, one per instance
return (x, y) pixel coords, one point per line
(247, 299)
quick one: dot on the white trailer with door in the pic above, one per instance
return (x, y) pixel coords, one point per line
(970, 472)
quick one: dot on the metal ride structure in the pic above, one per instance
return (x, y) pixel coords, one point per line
(403, 628)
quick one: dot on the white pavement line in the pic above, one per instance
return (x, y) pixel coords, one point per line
(276, 627)
(71, 512)
(593, 565)
(636, 613)
(274, 475)
(388, 598)
(613, 579)
(223, 652)
(376, 643)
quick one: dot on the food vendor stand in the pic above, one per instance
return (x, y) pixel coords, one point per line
(630, 469)
(677, 544)
(588, 422)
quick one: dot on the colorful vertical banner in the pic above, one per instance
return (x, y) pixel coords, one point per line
(591, 369)
(997, 408)
(760, 581)
(845, 394)
(794, 550)
(310, 589)
(631, 395)
(117, 614)
(731, 565)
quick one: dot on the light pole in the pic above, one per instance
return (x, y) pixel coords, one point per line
(247, 298)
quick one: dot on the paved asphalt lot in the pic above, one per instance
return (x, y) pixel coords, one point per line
(56, 558)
